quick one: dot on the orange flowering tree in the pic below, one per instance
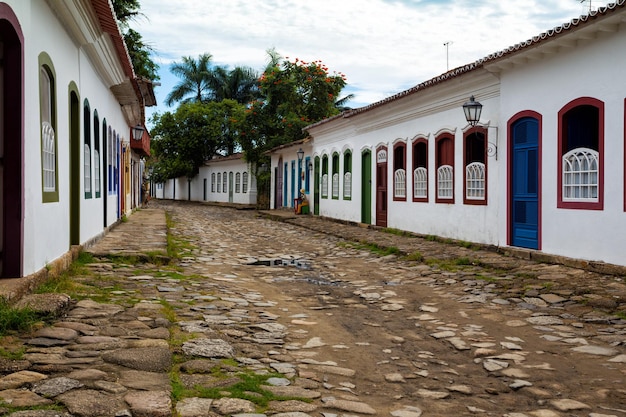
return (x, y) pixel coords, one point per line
(294, 94)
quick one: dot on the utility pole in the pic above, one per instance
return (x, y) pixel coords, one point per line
(447, 45)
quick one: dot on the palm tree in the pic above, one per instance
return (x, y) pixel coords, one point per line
(240, 84)
(197, 81)
(340, 104)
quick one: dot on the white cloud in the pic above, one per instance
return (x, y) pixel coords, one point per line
(383, 47)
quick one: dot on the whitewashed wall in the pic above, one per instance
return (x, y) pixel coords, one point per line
(402, 120)
(199, 190)
(47, 225)
(587, 68)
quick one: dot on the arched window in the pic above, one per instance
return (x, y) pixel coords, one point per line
(335, 176)
(244, 183)
(219, 182)
(224, 182)
(581, 154)
(96, 153)
(475, 142)
(213, 182)
(399, 172)
(445, 168)
(47, 109)
(87, 149)
(420, 170)
(325, 176)
(237, 182)
(347, 175)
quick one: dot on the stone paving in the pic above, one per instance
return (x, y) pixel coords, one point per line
(340, 330)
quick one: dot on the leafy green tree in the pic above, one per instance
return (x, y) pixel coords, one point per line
(140, 53)
(293, 95)
(140, 56)
(183, 140)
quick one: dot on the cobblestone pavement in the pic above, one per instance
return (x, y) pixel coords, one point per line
(326, 320)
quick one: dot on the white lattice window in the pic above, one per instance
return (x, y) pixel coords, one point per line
(475, 181)
(87, 167)
(213, 182)
(224, 182)
(325, 186)
(347, 185)
(244, 183)
(336, 185)
(580, 175)
(399, 183)
(49, 157)
(420, 182)
(237, 182)
(96, 172)
(219, 182)
(445, 176)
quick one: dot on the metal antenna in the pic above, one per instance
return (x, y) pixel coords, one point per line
(582, 1)
(447, 45)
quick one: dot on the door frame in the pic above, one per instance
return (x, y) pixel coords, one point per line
(316, 186)
(510, 172)
(382, 196)
(75, 171)
(12, 113)
(366, 186)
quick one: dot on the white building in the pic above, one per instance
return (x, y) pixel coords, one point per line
(70, 100)
(543, 169)
(223, 179)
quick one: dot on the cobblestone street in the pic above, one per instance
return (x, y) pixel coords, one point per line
(345, 320)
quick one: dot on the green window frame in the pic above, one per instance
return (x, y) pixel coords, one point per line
(97, 156)
(324, 184)
(335, 177)
(48, 130)
(87, 150)
(347, 175)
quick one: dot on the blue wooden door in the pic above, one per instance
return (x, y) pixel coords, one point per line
(525, 184)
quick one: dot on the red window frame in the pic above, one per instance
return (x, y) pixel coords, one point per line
(399, 160)
(416, 142)
(466, 135)
(444, 157)
(562, 130)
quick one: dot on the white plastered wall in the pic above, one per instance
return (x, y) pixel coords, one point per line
(590, 68)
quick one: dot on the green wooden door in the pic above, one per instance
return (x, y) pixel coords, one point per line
(366, 187)
(316, 186)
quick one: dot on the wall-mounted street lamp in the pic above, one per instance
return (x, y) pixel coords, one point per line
(300, 154)
(138, 132)
(472, 110)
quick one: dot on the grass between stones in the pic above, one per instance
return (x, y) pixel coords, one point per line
(244, 385)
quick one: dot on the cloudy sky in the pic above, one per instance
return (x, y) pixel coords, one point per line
(382, 46)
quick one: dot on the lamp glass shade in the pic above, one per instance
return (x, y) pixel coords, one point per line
(472, 110)
(138, 132)
(300, 154)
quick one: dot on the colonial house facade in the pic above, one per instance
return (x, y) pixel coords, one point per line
(543, 168)
(222, 179)
(70, 100)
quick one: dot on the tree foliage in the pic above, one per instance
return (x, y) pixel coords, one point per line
(293, 95)
(196, 80)
(140, 53)
(196, 132)
(200, 81)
